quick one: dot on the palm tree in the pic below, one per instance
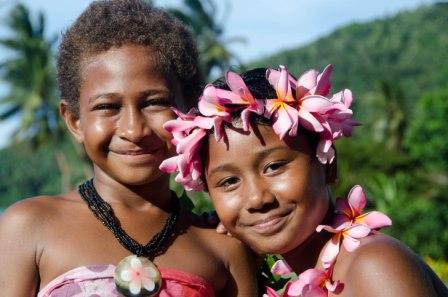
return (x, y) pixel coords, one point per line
(201, 17)
(30, 77)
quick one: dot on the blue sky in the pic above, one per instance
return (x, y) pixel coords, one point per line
(267, 25)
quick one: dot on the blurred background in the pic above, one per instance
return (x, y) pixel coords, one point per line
(392, 54)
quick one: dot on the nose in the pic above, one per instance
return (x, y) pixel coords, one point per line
(260, 197)
(132, 125)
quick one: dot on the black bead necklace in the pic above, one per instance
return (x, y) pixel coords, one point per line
(104, 212)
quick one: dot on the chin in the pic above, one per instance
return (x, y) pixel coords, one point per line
(137, 178)
(270, 245)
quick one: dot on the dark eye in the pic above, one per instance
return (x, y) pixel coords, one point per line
(106, 106)
(274, 166)
(156, 103)
(228, 183)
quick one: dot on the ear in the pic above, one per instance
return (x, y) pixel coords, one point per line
(71, 120)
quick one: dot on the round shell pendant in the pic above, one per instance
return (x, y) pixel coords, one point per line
(137, 277)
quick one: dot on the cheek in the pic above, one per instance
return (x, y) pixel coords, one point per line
(97, 131)
(157, 120)
(228, 208)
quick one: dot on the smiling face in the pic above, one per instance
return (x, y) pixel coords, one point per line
(269, 193)
(124, 101)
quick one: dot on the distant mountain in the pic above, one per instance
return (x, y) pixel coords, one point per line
(410, 48)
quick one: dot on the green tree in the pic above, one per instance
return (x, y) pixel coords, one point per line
(201, 16)
(427, 136)
(30, 77)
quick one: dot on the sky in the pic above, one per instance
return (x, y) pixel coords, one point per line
(266, 25)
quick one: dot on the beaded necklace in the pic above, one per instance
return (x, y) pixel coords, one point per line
(135, 275)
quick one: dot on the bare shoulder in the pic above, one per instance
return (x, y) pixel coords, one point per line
(384, 266)
(21, 228)
(225, 247)
(234, 255)
(25, 214)
(29, 216)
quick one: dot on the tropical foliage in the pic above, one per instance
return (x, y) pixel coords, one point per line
(201, 16)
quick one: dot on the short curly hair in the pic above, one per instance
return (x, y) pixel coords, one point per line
(113, 23)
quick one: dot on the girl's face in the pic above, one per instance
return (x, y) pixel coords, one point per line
(269, 193)
(124, 101)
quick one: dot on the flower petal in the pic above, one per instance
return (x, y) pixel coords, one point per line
(150, 272)
(295, 288)
(135, 262)
(148, 283)
(315, 103)
(350, 243)
(342, 206)
(357, 231)
(311, 291)
(280, 267)
(330, 251)
(312, 276)
(306, 82)
(375, 219)
(126, 275)
(357, 200)
(323, 81)
(309, 121)
(135, 287)
(169, 165)
(286, 120)
(282, 87)
(237, 85)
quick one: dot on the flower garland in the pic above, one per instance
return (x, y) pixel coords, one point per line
(349, 226)
(310, 108)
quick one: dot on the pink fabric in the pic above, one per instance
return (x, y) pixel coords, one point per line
(97, 281)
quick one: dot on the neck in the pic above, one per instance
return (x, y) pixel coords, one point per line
(307, 254)
(152, 194)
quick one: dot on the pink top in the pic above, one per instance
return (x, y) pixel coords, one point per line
(98, 281)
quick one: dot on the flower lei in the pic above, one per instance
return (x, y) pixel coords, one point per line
(349, 226)
(331, 117)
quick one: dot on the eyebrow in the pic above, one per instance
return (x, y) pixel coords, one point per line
(260, 155)
(103, 95)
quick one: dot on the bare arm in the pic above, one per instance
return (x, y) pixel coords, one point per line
(242, 267)
(387, 268)
(19, 272)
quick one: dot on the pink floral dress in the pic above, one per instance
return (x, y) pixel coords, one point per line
(98, 281)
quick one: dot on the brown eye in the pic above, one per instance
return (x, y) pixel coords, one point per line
(228, 183)
(157, 103)
(106, 106)
(274, 166)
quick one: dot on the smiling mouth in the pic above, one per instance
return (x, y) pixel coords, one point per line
(271, 224)
(137, 155)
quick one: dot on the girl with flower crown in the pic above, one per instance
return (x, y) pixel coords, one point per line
(262, 145)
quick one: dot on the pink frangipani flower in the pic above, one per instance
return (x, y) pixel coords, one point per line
(213, 103)
(286, 117)
(237, 85)
(350, 225)
(350, 210)
(313, 283)
(348, 234)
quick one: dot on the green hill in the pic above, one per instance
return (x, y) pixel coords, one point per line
(410, 48)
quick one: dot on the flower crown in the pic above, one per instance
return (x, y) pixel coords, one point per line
(310, 108)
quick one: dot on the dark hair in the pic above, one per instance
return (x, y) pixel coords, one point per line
(260, 88)
(112, 23)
